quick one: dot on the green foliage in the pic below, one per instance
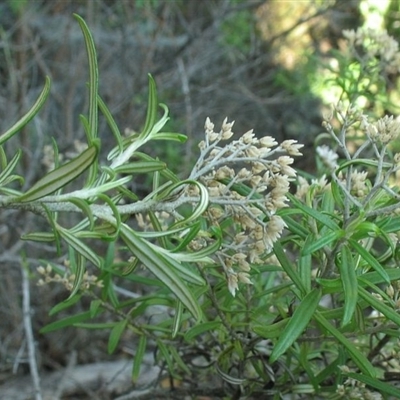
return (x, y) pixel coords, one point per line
(238, 30)
(276, 299)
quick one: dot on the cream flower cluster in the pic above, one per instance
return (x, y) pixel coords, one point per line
(385, 130)
(372, 45)
(67, 280)
(248, 180)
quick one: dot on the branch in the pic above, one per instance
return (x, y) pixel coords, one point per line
(29, 333)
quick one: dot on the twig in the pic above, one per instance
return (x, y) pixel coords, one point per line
(26, 308)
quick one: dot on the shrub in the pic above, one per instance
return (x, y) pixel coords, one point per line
(279, 282)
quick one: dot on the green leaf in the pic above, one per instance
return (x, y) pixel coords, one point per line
(39, 237)
(65, 304)
(3, 158)
(350, 284)
(79, 246)
(79, 273)
(305, 267)
(111, 123)
(178, 262)
(52, 219)
(390, 224)
(382, 387)
(65, 322)
(288, 267)
(370, 259)
(94, 307)
(161, 267)
(152, 105)
(178, 359)
(380, 306)
(199, 209)
(313, 245)
(166, 172)
(322, 218)
(61, 176)
(85, 208)
(166, 355)
(190, 234)
(93, 78)
(140, 167)
(137, 361)
(297, 323)
(115, 335)
(199, 329)
(359, 358)
(175, 137)
(10, 167)
(177, 319)
(367, 162)
(29, 115)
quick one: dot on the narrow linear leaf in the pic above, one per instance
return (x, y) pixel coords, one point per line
(79, 246)
(84, 206)
(140, 167)
(177, 319)
(115, 335)
(10, 167)
(177, 262)
(3, 158)
(52, 219)
(293, 226)
(65, 322)
(201, 206)
(370, 259)
(297, 323)
(305, 266)
(116, 215)
(359, 358)
(94, 307)
(379, 305)
(324, 240)
(178, 359)
(159, 124)
(177, 137)
(190, 233)
(95, 325)
(375, 383)
(79, 273)
(198, 330)
(161, 268)
(164, 350)
(59, 177)
(65, 304)
(350, 284)
(29, 115)
(367, 162)
(93, 78)
(166, 172)
(287, 266)
(39, 237)
(322, 218)
(137, 361)
(152, 105)
(111, 123)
